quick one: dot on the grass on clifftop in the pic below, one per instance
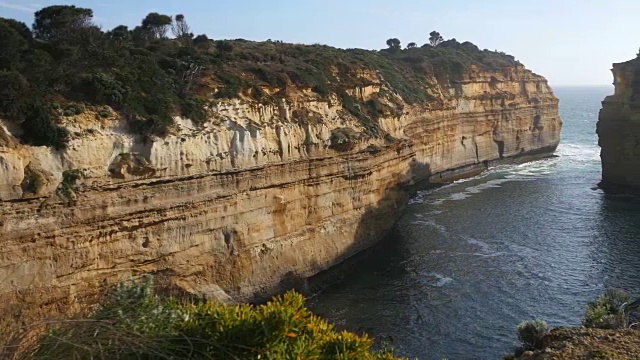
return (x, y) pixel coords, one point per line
(64, 59)
(133, 323)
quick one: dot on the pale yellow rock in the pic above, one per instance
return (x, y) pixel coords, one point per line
(256, 200)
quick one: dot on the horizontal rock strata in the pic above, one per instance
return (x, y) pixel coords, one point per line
(260, 197)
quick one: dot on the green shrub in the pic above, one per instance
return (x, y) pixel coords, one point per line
(152, 125)
(13, 93)
(73, 109)
(608, 311)
(232, 85)
(68, 184)
(40, 130)
(194, 109)
(104, 113)
(132, 322)
(531, 333)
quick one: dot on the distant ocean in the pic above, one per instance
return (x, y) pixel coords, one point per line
(468, 261)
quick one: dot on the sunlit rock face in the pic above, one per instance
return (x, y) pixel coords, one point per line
(255, 200)
(619, 131)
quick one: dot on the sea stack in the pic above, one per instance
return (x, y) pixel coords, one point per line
(619, 131)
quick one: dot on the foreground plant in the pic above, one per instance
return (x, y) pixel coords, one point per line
(531, 333)
(134, 323)
(609, 311)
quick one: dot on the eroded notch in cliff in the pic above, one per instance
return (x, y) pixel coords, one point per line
(500, 148)
(499, 140)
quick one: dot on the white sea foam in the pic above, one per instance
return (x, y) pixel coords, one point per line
(437, 280)
(567, 153)
(579, 153)
(432, 224)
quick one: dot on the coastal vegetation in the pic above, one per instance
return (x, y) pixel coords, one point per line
(613, 315)
(134, 322)
(65, 62)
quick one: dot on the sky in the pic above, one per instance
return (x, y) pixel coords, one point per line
(570, 42)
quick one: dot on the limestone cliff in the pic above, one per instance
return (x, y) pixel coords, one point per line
(619, 130)
(259, 196)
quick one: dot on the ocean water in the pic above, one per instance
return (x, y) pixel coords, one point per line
(468, 261)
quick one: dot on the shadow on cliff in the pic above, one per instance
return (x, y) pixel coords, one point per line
(376, 225)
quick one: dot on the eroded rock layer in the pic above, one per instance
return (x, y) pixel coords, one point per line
(257, 198)
(619, 130)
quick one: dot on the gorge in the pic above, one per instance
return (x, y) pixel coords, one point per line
(281, 179)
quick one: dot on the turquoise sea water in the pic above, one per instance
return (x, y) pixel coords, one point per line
(468, 261)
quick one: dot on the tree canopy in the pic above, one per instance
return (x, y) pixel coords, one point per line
(57, 21)
(157, 25)
(435, 38)
(393, 43)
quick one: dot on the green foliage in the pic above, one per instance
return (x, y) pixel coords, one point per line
(194, 109)
(134, 323)
(608, 311)
(55, 22)
(39, 128)
(224, 46)
(393, 44)
(531, 333)
(12, 44)
(14, 93)
(201, 40)
(148, 78)
(74, 109)
(233, 84)
(435, 38)
(156, 25)
(68, 183)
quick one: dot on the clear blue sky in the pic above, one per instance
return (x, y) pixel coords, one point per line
(571, 42)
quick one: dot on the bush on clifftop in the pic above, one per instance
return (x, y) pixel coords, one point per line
(150, 78)
(134, 323)
(608, 311)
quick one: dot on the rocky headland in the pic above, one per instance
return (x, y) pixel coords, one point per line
(619, 130)
(287, 160)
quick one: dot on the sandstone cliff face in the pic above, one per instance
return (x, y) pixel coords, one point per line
(258, 198)
(619, 130)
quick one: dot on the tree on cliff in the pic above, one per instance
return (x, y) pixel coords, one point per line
(120, 33)
(156, 25)
(180, 29)
(435, 38)
(55, 22)
(411, 45)
(394, 44)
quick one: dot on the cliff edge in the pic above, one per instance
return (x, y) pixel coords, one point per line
(281, 161)
(619, 130)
